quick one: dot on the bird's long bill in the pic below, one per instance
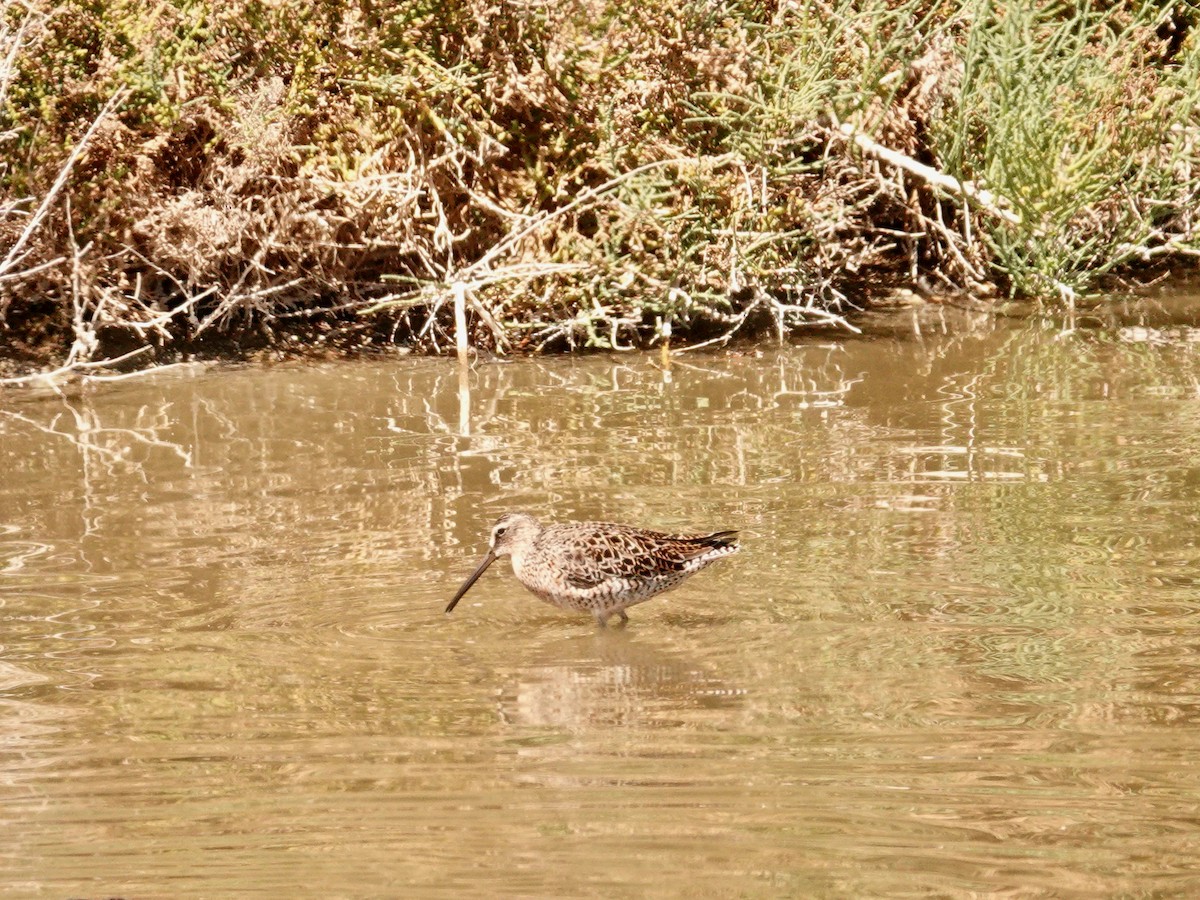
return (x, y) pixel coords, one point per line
(487, 561)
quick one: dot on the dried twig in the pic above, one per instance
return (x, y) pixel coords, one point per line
(990, 203)
(16, 254)
(74, 366)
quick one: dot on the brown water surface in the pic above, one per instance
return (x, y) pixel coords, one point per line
(958, 655)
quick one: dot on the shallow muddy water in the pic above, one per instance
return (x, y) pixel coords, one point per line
(958, 655)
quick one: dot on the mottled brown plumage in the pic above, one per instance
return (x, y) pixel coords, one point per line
(598, 567)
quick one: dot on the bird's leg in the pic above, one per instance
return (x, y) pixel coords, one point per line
(603, 617)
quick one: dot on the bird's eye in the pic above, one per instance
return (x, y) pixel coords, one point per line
(499, 532)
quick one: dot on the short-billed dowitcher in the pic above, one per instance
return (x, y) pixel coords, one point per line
(597, 567)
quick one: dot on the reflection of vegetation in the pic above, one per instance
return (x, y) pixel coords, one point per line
(582, 173)
(876, 482)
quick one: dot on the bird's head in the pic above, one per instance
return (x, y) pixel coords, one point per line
(512, 534)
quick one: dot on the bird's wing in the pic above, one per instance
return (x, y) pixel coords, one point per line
(593, 555)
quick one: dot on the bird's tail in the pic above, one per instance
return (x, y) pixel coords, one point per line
(718, 540)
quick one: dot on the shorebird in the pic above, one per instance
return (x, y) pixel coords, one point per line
(597, 567)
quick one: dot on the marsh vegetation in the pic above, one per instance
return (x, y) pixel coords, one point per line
(593, 173)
